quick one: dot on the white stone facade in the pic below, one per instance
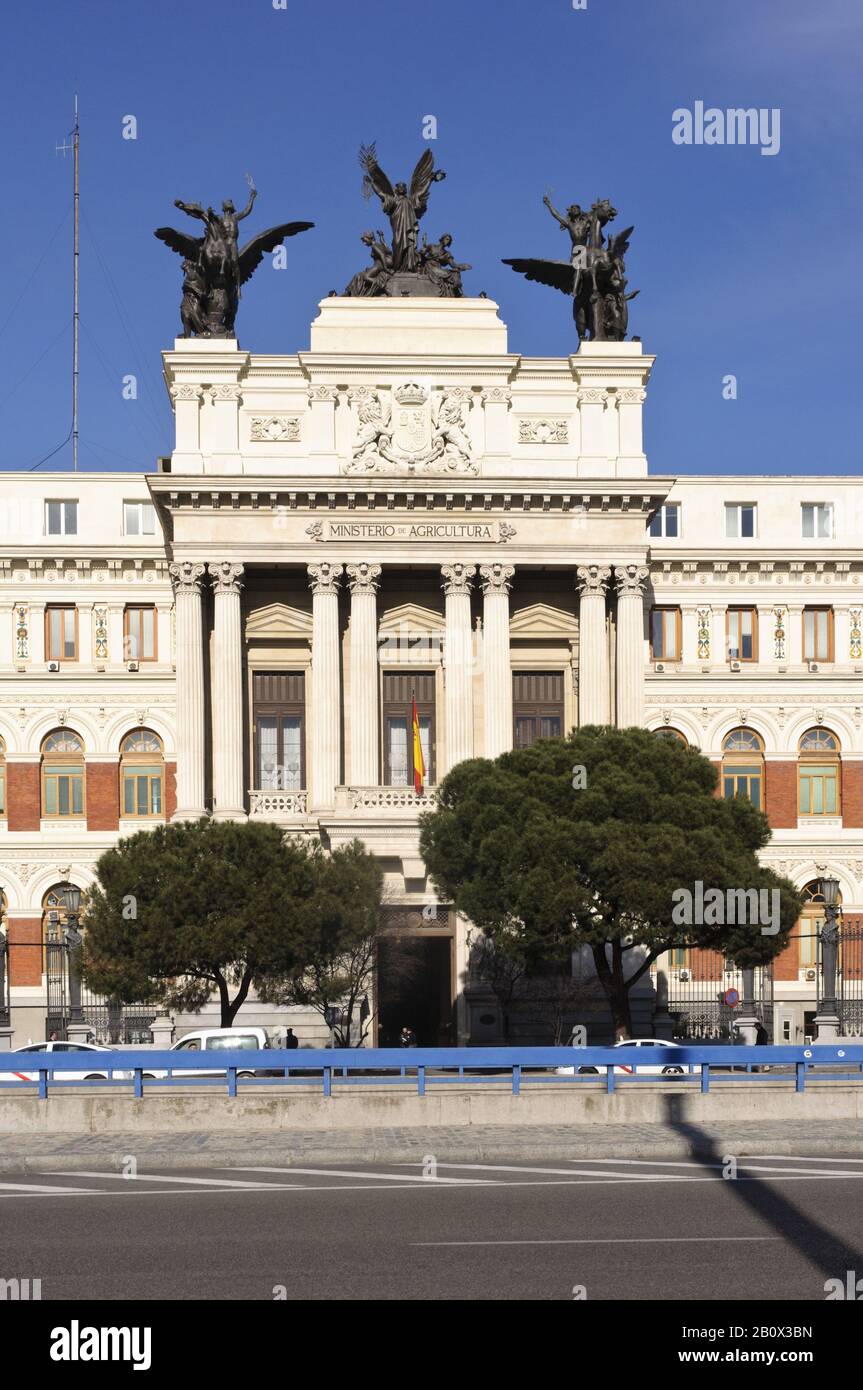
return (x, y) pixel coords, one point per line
(409, 503)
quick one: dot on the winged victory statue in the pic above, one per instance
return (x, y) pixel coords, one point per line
(593, 278)
(404, 267)
(215, 266)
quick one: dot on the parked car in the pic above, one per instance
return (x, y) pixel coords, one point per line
(659, 1060)
(90, 1074)
(220, 1040)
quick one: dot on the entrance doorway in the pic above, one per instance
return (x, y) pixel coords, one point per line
(415, 989)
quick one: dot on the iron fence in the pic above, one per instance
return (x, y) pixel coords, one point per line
(697, 991)
(110, 1020)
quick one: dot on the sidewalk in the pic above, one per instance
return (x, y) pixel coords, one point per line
(31, 1153)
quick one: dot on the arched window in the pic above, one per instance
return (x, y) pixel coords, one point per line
(142, 773)
(2, 778)
(62, 774)
(818, 774)
(54, 915)
(809, 924)
(743, 766)
(674, 734)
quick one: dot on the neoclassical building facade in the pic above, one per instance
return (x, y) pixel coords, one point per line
(409, 511)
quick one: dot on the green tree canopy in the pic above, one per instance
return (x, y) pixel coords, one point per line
(529, 845)
(196, 907)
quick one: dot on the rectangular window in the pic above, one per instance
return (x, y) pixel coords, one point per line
(537, 706)
(666, 522)
(400, 689)
(739, 521)
(139, 633)
(742, 634)
(742, 781)
(278, 722)
(819, 790)
(139, 519)
(64, 790)
(665, 630)
(817, 634)
(61, 633)
(61, 517)
(817, 520)
(142, 790)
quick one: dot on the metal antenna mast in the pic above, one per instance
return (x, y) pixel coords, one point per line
(74, 148)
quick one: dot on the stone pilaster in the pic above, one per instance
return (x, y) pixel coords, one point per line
(363, 583)
(593, 676)
(630, 581)
(228, 793)
(325, 708)
(186, 578)
(496, 582)
(458, 663)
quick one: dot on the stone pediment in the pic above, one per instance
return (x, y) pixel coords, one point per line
(541, 620)
(412, 617)
(278, 620)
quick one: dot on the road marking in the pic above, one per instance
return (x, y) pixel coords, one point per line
(380, 1177)
(796, 1158)
(605, 1240)
(566, 1172)
(42, 1188)
(149, 1177)
(749, 1163)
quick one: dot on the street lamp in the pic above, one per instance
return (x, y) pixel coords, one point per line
(829, 891)
(4, 949)
(71, 899)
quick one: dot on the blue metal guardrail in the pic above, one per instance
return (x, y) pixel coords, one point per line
(427, 1066)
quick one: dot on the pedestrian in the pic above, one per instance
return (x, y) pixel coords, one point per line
(407, 1037)
(761, 1040)
(290, 1039)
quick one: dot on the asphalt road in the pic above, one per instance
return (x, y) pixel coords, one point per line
(619, 1229)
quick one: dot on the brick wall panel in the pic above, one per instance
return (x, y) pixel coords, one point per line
(170, 789)
(103, 796)
(852, 794)
(25, 957)
(781, 794)
(23, 796)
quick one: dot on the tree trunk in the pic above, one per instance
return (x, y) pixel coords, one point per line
(615, 988)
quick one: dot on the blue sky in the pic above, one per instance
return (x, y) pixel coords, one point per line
(747, 264)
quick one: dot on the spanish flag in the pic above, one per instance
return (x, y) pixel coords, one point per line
(419, 765)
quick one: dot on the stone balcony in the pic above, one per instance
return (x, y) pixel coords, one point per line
(385, 819)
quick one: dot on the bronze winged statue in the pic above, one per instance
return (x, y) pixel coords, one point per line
(593, 277)
(402, 205)
(215, 266)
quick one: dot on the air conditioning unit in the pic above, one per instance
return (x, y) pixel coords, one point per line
(53, 666)
(813, 666)
(810, 974)
(735, 665)
(131, 665)
(683, 975)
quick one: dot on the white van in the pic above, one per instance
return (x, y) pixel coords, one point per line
(215, 1040)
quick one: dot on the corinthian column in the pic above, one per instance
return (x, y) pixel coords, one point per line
(186, 578)
(593, 682)
(496, 583)
(325, 712)
(228, 797)
(630, 581)
(363, 583)
(458, 663)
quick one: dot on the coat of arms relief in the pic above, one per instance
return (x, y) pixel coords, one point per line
(411, 430)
